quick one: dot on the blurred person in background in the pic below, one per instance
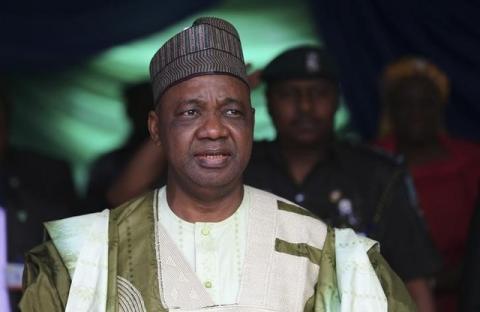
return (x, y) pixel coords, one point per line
(346, 184)
(445, 170)
(470, 286)
(34, 188)
(107, 185)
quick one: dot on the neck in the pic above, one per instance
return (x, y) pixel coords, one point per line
(419, 153)
(301, 159)
(204, 204)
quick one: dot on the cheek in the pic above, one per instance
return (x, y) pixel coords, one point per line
(325, 109)
(176, 142)
(241, 130)
(403, 116)
(242, 135)
(283, 112)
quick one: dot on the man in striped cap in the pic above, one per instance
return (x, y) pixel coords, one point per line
(206, 241)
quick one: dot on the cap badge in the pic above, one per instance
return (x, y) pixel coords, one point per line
(312, 63)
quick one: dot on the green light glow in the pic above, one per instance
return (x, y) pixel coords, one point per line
(78, 114)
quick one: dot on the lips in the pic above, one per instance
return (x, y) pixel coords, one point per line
(213, 159)
(306, 125)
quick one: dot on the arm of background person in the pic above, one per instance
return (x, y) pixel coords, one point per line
(421, 294)
(405, 241)
(140, 175)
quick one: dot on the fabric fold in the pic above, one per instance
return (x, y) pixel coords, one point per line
(83, 245)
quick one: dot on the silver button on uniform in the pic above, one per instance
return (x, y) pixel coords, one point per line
(299, 198)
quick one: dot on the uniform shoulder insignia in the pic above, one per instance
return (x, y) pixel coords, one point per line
(396, 158)
(380, 153)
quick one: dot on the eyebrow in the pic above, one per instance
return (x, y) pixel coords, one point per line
(193, 101)
(189, 102)
(230, 100)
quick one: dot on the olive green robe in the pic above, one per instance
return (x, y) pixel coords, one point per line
(290, 265)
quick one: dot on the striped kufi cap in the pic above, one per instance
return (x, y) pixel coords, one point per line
(210, 46)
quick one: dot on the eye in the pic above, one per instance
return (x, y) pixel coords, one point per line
(287, 93)
(320, 92)
(233, 113)
(189, 113)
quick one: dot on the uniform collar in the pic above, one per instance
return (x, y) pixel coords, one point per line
(275, 154)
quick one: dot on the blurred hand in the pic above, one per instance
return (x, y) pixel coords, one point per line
(140, 174)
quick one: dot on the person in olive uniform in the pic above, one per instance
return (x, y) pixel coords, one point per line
(345, 184)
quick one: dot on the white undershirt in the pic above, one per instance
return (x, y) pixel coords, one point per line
(214, 250)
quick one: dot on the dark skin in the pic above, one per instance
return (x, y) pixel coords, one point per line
(205, 128)
(303, 111)
(416, 110)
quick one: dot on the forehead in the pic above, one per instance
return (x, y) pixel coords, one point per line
(417, 85)
(205, 86)
(412, 89)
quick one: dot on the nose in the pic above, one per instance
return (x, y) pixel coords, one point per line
(304, 103)
(212, 128)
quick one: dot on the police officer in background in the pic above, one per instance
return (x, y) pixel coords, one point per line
(345, 184)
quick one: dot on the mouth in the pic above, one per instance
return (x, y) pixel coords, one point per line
(306, 125)
(213, 159)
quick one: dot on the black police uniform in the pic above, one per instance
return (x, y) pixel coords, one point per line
(359, 188)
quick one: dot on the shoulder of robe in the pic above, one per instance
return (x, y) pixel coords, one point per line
(295, 224)
(138, 205)
(46, 281)
(397, 294)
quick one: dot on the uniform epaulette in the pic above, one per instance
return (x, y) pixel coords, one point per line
(399, 159)
(374, 151)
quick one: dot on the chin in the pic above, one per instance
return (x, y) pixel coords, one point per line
(216, 180)
(307, 141)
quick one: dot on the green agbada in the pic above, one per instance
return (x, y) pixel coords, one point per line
(293, 262)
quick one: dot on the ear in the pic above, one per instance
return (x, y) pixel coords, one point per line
(153, 127)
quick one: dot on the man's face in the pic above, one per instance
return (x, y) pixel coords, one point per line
(205, 126)
(303, 110)
(416, 110)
